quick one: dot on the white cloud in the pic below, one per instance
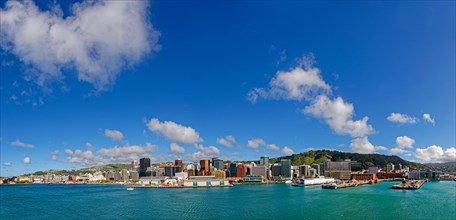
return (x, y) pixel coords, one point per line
(175, 148)
(287, 151)
(113, 134)
(338, 115)
(363, 146)
(404, 142)
(7, 164)
(54, 157)
(402, 118)
(255, 143)
(302, 82)
(204, 152)
(127, 153)
(228, 141)
(19, 143)
(174, 132)
(55, 152)
(115, 154)
(26, 160)
(98, 40)
(89, 146)
(427, 117)
(436, 154)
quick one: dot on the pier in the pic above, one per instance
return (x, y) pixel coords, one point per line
(409, 184)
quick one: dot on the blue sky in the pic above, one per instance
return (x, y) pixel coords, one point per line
(84, 84)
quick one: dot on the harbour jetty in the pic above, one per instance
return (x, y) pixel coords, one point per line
(409, 184)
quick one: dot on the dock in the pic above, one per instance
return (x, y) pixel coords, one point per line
(409, 184)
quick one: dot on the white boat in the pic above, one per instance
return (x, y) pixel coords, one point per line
(288, 182)
(130, 188)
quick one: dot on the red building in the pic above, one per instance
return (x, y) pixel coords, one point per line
(389, 175)
(364, 176)
(241, 170)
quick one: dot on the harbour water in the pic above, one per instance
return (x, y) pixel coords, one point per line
(435, 200)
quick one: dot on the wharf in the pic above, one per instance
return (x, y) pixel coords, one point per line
(175, 186)
(343, 184)
(409, 184)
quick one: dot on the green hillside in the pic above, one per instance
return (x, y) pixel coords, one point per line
(366, 160)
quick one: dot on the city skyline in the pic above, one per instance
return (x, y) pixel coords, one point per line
(233, 80)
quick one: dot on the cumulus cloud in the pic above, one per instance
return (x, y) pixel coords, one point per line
(436, 154)
(363, 146)
(228, 141)
(19, 143)
(204, 152)
(7, 164)
(338, 115)
(255, 144)
(427, 118)
(54, 157)
(175, 148)
(300, 83)
(98, 40)
(287, 151)
(113, 134)
(104, 156)
(26, 160)
(402, 143)
(174, 132)
(402, 118)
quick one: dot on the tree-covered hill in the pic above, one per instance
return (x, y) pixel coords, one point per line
(366, 160)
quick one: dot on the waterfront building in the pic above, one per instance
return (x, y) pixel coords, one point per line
(124, 174)
(204, 181)
(253, 179)
(144, 163)
(276, 171)
(264, 160)
(399, 167)
(220, 174)
(424, 174)
(178, 163)
(389, 167)
(317, 169)
(373, 169)
(118, 176)
(286, 168)
(259, 171)
(110, 175)
(364, 176)
(134, 175)
(170, 171)
(241, 170)
(338, 170)
(181, 176)
(389, 175)
(233, 170)
(218, 164)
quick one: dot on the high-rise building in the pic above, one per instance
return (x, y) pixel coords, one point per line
(205, 168)
(233, 171)
(241, 170)
(286, 168)
(134, 164)
(170, 171)
(125, 175)
(276, 170)
(144, 163)
(264, 160)
(259, 171)
(178, 163)
(218, 164)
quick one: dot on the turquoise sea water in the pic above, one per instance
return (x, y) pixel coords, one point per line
(435, 200)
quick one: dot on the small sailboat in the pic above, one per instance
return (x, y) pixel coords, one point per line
(130, 188)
